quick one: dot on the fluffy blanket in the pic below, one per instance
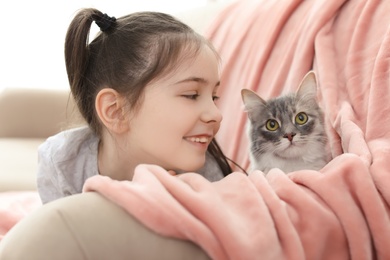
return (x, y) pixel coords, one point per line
(14, 206)
(340, 212)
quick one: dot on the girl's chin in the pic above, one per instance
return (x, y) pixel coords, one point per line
(185, 164)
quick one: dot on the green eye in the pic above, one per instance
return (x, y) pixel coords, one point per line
(301, 118)
(272, 125)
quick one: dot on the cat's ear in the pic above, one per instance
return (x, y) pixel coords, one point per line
(253, 103)
(308, 86)
(251, 99)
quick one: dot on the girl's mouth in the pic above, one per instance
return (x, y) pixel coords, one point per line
(201, 139)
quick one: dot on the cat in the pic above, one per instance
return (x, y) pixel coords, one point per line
(287, 132)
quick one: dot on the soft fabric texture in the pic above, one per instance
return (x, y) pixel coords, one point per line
(68, 158)
(14, 206)
(339, 212)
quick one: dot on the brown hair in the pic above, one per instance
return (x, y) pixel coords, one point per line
(126, 55)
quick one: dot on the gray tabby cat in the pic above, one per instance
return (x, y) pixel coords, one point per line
(287, 132)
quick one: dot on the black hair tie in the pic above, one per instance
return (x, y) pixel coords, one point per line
(105, 22)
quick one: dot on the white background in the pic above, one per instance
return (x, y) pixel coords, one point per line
(32, 35)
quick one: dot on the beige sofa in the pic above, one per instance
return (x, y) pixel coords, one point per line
(29, 115)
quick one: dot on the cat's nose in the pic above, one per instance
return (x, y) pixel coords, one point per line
(289, 136)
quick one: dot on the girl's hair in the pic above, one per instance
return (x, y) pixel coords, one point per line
(127, 54)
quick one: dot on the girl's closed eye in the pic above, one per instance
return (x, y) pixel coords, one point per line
(195, 96)
(192, 95)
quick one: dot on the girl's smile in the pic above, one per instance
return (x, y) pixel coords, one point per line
(202, 140)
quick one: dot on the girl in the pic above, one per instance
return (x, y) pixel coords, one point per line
(146, 86)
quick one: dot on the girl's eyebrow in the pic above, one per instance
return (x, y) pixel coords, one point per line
(197, 79)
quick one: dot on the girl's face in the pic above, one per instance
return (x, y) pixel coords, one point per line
(178, 116)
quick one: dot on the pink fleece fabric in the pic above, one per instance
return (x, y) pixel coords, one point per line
(339, 212)
(15, 205)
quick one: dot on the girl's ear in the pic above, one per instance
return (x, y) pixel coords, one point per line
(111, 109)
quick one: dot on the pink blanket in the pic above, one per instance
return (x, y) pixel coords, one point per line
(341, 212)
(14, 206)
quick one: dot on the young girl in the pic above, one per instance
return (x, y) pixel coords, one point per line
(146, 86)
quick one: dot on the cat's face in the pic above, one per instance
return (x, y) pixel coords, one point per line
(289, 126)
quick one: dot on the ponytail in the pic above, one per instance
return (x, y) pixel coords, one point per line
(77, 55)
(84, 85)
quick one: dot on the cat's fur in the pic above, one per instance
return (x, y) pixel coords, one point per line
(280, 148)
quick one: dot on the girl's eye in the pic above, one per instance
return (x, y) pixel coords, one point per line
(272, 125)
(301, 118)
(192, 97)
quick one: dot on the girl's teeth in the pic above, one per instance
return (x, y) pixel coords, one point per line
(199, 139)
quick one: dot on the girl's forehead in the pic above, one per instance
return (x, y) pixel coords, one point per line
(203, 63)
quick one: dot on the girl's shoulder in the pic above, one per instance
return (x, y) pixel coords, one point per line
(69, 144)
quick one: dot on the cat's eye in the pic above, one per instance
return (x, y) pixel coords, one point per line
(272, 125)
(301, 118)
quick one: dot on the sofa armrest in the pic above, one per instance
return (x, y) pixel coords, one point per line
(88, 226)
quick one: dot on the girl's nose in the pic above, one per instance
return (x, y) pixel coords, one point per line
(211, 113)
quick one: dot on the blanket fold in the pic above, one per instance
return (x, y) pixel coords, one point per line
(339, 212)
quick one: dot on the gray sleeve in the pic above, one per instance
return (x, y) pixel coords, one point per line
(47, 180)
